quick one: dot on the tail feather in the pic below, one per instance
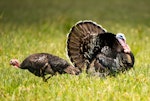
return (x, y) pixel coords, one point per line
(78, 37)
(72, 46)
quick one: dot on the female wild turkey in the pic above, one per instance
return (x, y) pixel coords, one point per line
(41, 64)
(90, 47)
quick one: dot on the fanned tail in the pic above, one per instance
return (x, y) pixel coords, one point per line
(79, 34)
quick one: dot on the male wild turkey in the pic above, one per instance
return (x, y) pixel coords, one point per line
(41, 64)
(90, 47)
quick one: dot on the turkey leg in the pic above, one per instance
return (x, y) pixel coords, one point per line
(46, 69)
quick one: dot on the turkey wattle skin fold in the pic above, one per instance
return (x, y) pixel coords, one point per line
(122, 40)
(125, 46)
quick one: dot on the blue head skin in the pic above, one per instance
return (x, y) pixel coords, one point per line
(122, 40)
(121, 36)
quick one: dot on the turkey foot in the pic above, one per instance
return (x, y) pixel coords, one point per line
(43, 70)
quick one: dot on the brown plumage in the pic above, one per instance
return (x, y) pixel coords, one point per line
(81, 38)
(41, 64)
(90, 47)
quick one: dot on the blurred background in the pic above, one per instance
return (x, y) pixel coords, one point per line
(29, 12)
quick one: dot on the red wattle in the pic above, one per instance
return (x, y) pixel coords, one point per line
(125, 46)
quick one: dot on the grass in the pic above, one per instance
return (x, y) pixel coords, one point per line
(32, 26)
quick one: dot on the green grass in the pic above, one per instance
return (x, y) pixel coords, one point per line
(32, 26)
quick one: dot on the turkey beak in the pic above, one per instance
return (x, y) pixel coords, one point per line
(123, 40)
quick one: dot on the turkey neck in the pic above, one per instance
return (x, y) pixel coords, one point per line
(18, 65)
(124, 45)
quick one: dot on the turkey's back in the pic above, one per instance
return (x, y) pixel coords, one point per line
(57, 64)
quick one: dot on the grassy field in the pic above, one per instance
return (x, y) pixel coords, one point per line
(31, 26)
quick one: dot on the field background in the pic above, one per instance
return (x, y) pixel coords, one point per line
(31, 26)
